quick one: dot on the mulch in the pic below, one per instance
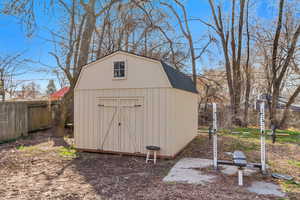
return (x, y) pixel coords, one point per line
(41, 173)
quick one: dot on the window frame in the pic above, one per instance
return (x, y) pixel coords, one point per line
(125, 70)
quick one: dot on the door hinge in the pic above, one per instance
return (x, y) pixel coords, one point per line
(137, 105)
(101, 105)
(119, 124)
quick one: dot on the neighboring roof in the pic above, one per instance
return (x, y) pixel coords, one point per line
(178, 79)
(60, 93)
(281, 102)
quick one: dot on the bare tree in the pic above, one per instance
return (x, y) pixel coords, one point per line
(279, 52)
(90, 30)
(232, 50)
(185, 30)
(11, 66)
(247, 70)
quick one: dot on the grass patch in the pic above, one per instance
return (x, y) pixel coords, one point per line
(67, 152)
(294, 163)
(292, 136)
(28, 148)
(246, 147)
(290, 186)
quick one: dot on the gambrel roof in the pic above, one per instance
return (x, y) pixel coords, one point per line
(176, 78)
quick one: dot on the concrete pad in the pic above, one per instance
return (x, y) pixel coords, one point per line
(232, 170)
(265, 188)
(187, 163)
(229, 170)
(185, 171)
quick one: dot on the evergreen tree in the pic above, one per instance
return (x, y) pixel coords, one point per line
(51, 87)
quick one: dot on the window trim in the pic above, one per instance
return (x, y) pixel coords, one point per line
(125, 70)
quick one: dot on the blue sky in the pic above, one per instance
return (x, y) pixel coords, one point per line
(13, 36)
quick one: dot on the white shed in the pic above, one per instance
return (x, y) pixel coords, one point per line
(124, 102)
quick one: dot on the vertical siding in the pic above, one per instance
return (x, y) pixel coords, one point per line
(185, 125)
(168, 118)
(13, 120)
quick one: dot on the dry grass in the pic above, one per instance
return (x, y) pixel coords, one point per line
(282, 157)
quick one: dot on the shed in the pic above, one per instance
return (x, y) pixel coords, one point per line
(124, 102)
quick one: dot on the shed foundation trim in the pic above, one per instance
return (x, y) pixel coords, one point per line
(122, 153)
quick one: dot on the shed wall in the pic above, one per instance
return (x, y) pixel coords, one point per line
(159, 110)
(185, 118)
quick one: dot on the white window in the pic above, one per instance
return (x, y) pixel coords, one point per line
(119, 69)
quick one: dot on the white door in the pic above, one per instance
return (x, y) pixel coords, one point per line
(121, 124)
(108, 127)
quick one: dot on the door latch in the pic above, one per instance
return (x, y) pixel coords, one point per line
(119, 124)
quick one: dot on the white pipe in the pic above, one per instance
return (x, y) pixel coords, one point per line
(215, 117)
(215, 137)
(240, 177)
(262, 137)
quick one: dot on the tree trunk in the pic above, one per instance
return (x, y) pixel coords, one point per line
(83, 56)
(273, 109)
(282, 123)
(88, 31)
(247, 71)
(86, 40)
(65, 112)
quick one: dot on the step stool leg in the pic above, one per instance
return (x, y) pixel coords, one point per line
(147, 158)
(154, 157)
(240, 177)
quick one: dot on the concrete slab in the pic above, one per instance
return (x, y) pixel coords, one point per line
(232, 170)
(265, 188)
(185, 171)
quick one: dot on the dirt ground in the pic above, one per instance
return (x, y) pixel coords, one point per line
(44, 167)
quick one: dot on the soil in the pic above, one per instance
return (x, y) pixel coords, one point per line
(33, 168)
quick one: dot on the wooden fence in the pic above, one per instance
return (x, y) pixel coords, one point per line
(13, 120)
(39, 115)
(19, 118)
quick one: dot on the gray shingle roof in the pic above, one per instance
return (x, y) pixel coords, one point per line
(178, 79)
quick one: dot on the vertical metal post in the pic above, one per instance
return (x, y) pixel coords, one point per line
(215, 137)
(240, 177)
(215, 117)
(262, 137)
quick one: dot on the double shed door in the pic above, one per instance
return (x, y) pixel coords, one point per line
(121, 124)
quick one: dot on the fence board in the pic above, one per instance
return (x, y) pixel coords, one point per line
(13, 118)
(19, 118)
(39, 116)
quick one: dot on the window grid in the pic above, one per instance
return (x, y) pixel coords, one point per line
(119, 69)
